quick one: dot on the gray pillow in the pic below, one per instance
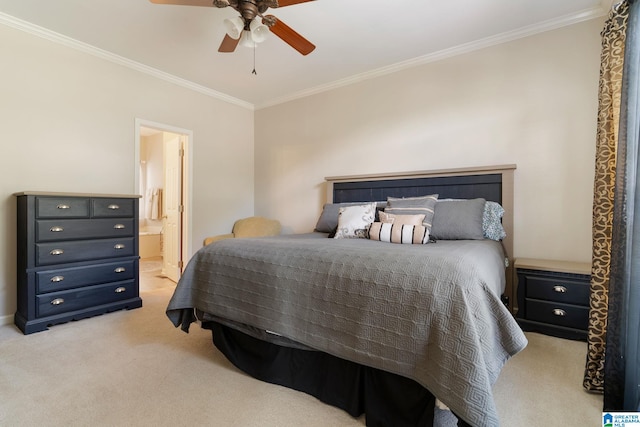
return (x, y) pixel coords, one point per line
(328, 220)
(458, 220)
(424, 205)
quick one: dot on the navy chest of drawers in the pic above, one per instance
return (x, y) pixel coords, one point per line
(553, 297)
(77, 257)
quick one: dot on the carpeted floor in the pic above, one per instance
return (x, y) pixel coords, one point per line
(132, 368)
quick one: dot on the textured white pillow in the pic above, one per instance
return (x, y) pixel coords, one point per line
(354, 221)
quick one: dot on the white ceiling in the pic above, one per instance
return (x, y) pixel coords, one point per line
(355, 39)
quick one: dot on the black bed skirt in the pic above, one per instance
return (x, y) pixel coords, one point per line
(386, 399)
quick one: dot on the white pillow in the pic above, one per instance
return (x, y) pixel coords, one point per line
(354, 221)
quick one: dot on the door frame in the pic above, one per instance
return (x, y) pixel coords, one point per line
(187, 178)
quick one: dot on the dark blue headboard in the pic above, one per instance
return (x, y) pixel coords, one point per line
(488, 187)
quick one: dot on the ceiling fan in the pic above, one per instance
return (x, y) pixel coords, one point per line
(247, 27)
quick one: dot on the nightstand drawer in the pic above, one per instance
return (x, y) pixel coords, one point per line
(557, 289)
(62, 207)
(77, 299)
(84, 250)
(553, 297)
(111, 208)
(76, 229)
(73, 277)
(570, 316)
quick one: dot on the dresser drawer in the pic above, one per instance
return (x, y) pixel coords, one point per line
(62, 207)
(73, 277)
(73, 251)
(77, 299)
(557, 290)
(76, 229)
(112, 208)
(570, 316)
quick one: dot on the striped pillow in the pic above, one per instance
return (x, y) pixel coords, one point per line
(425, 205)
(399, 233)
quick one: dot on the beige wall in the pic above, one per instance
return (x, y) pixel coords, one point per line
(532, 102)
(68, 124)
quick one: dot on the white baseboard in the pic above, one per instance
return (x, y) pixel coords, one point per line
(6, 320)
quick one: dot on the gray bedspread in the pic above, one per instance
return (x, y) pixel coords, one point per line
(428, 312)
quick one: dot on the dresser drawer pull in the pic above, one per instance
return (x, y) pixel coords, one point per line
(119, 226)
(113, 207)
(560, 289)
(56, 252)
(56, 279)
(120, 270)
(559, 312)
(118, 246)
(56, 229)
(120, 290)
(61, 206)
(57, 301)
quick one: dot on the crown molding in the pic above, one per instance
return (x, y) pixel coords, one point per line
(44, 33)
(523, 32)
(422, 60)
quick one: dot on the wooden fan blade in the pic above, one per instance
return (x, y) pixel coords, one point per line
(290, 36)
(283, 3)
(228, 44)
(185, 2)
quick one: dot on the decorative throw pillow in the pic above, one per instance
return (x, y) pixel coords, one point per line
(354, 221)
(328, 220)
(401, 219)
(458, 219)
(424, 205)
(399, 233)
(492, 221)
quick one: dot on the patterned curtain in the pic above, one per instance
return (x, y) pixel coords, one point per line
(622, 355)
(610, 89)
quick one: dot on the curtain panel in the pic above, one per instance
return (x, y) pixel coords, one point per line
(610, 90)
(613, 359)
(621, 370)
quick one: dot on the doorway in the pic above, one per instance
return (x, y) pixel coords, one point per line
(162, 162)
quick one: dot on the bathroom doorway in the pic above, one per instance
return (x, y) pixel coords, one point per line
(162, 181)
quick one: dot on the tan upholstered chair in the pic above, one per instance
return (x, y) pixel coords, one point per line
(254, 226)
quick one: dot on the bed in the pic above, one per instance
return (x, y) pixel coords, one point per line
(369, 326)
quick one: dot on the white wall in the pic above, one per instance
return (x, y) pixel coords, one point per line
(151, 148)
(68, 124)
(532, 102)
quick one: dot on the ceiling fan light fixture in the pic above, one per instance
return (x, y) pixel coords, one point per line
(246, 39)
(259, 31)
(234, 27)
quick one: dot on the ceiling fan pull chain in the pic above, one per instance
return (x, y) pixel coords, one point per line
(254, 61)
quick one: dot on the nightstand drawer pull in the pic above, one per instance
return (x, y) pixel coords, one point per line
(119, 226)
(57, 301)
(560, 289)
(120, 270)
(61, 206)
(113, 207)
(559, 312)
(56, 252)
(56, 279)
(56, 229)
(120, 290)
(118, 246)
